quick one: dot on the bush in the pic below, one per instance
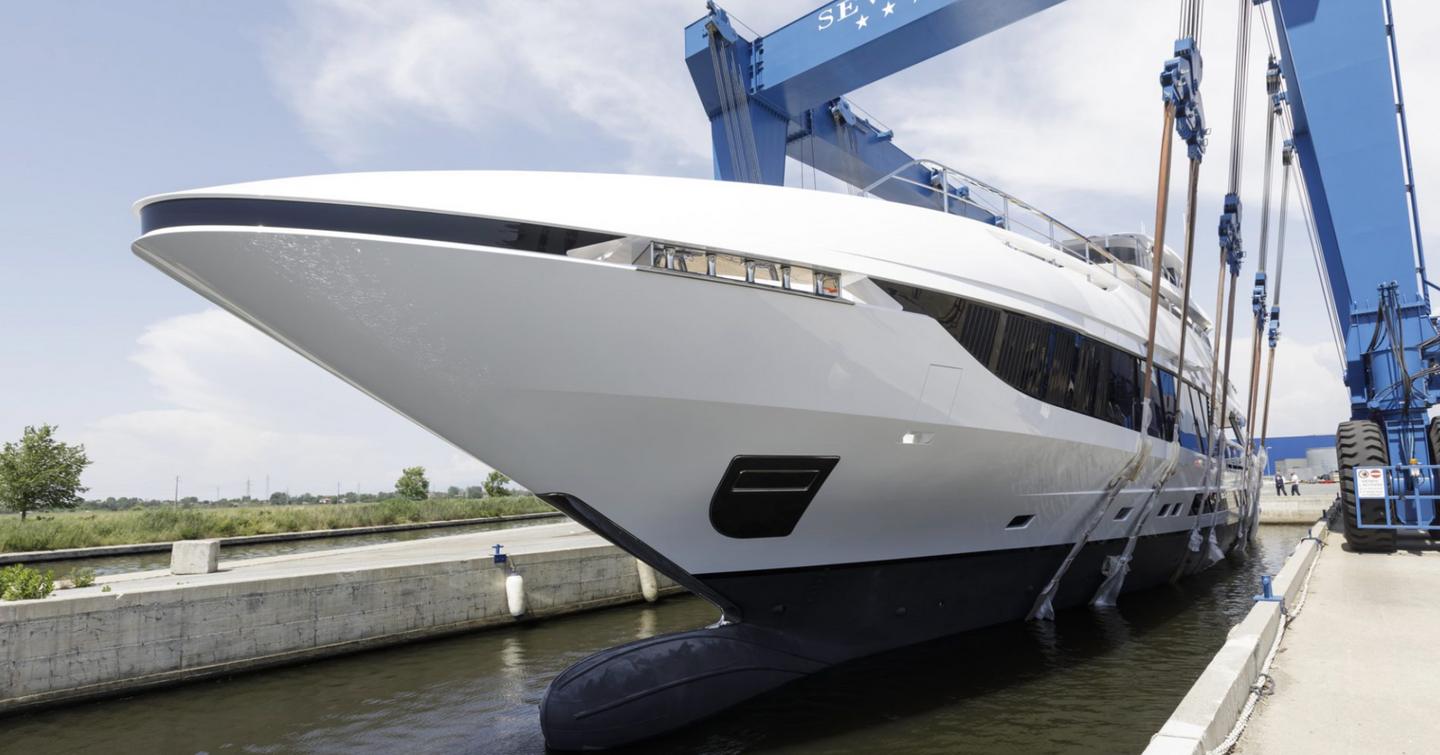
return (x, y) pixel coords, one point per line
(19, 582)
(82, 577)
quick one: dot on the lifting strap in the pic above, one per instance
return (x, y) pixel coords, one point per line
(1043, 608)
(1231, 256)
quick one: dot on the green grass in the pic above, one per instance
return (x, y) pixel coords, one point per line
(82, 529)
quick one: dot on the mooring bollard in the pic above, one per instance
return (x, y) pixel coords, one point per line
(649, 587)
(195, 557)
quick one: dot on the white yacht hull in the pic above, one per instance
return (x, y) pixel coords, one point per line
(936, 497)
(632, 390)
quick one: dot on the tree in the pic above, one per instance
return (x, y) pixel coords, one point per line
(452, 492)
(474, 491)
(40, 473)
(412, 484)
(495, 484)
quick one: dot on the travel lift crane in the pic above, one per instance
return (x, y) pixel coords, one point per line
(1333, 85)
(1330, 86)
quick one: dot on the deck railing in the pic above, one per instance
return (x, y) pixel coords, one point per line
(957, 190)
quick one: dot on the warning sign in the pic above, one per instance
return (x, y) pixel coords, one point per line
(1369, 482)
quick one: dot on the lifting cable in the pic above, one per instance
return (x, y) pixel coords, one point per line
(734, 108)
(1286, 162)
(1117, 566)
(1183, 102)
(1232, 254)
(1261, 295)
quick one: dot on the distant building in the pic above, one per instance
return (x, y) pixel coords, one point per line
(1307, 456)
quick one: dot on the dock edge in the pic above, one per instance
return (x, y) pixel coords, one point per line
(1209, 712)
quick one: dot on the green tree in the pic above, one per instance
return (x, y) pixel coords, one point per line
(474, 491)
(412, 484)
(495, 484)
(40, 473)
(452, 492)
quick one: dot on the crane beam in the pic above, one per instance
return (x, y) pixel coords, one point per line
(769, 96)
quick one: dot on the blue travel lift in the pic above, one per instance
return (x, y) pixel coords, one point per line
(1337, 82)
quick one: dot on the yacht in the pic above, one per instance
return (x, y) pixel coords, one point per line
(851, 424)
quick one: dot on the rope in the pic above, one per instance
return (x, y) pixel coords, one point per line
(1264, 683)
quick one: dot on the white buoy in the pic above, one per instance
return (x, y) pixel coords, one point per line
(515, 594)
(648, 585)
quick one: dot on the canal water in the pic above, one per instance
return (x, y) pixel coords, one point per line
(133, 562)
(1093, 681)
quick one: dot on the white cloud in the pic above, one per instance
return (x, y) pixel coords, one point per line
(236, 405)
(352, 70)
(1307, 395)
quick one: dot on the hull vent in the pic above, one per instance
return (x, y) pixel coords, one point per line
(765, 496)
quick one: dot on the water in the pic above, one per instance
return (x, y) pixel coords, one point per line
(105, 565)
(1091, 682)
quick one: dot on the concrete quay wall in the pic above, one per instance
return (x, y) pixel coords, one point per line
(1209, 711)
(69, 648)
(1298, 509)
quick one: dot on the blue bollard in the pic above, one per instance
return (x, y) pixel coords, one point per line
(501, 558)
(1267, 593)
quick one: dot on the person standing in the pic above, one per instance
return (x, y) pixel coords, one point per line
(1294, 484)
(1279, 484)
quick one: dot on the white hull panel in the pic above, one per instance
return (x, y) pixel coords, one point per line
(632, 390)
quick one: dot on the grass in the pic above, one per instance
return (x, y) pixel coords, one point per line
(82, 529)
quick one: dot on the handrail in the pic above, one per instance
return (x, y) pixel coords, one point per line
(1003, 213)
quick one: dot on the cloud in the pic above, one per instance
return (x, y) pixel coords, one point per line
(354, 70)
(1307, 395)
(234, 405)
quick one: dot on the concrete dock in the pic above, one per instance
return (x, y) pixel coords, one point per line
(1314, 500)
(145, 629)
(1356, 672)
(1352, 652)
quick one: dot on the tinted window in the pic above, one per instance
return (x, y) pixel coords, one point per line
(1091, 369)
(1122, 399)
(1064, 367)
(385, 221)
(1190, 435)
(1162, 405)
(1056, 364)
(1024, 354)
(977, 334)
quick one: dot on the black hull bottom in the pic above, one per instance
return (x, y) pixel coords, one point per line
(794, 622)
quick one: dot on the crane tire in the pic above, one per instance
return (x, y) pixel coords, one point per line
(1360, 443)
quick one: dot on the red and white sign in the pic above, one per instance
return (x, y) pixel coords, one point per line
(1369, 482)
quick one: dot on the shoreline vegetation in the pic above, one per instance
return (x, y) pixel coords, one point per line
(150, 524)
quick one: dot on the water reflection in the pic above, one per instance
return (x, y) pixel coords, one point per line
(1093, 681)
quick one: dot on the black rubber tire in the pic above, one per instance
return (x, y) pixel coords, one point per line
(1360, 443)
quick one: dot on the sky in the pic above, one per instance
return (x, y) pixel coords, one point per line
(105, 103)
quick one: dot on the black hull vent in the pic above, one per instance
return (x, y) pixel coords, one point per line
(765, 496)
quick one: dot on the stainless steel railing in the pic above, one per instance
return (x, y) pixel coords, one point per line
(1010, 212)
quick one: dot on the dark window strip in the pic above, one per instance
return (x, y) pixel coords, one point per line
(1061, 367)
(381, 221)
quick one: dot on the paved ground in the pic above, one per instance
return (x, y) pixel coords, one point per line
(518, 541)
(1357, 671)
